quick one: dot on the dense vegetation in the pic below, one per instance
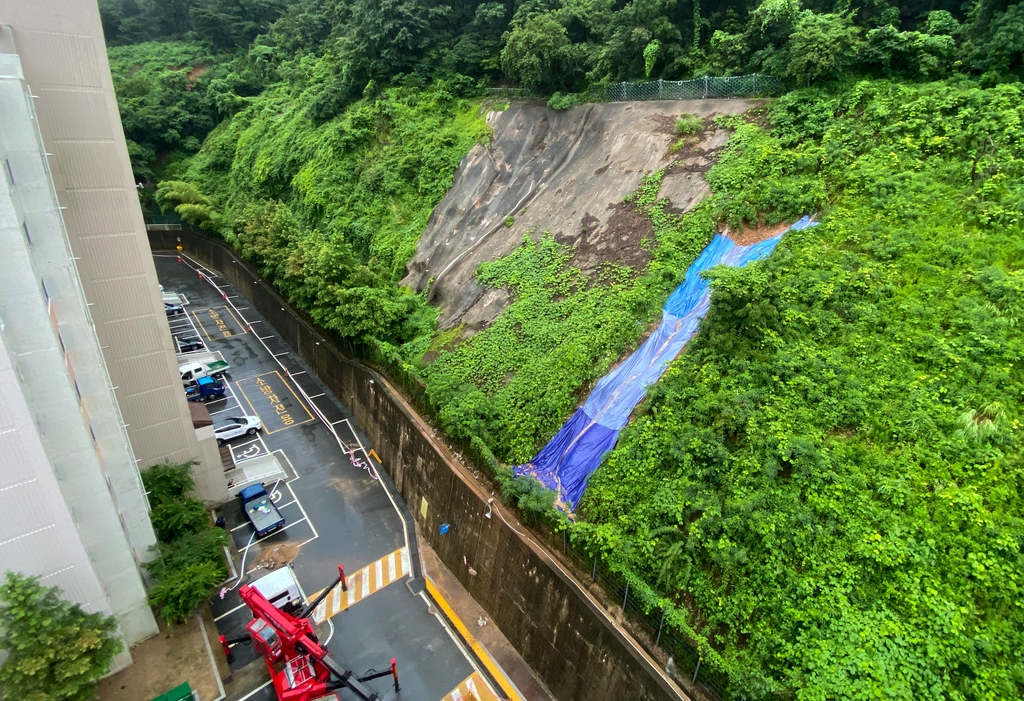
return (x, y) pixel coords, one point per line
(207, 59)
(53, 650)
(829, 479)
(189, 560)
(825, 491)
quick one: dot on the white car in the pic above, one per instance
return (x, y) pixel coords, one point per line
(226, 429)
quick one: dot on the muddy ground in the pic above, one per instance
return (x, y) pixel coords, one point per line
(566, 173)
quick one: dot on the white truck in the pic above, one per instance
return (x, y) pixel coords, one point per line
(192, 366)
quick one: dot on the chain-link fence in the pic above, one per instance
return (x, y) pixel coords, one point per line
(754, 85)
(513, 93)
(648, 624)
(331, 356)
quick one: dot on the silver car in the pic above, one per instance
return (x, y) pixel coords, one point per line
(236, 426)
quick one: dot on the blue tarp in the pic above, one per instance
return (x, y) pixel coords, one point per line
(566, 462)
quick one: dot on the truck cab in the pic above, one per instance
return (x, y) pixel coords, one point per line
(206, 366)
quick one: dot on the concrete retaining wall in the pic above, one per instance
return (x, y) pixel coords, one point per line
(561, 632)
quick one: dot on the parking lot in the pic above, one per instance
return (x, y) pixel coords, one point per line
(337, 509)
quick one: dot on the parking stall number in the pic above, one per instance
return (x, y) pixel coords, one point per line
(275, 402)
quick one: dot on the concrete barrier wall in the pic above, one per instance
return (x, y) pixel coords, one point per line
(557, 627)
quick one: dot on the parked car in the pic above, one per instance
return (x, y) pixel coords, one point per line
(226, 429)
(172, 309)
(190, 345)
(205, 389)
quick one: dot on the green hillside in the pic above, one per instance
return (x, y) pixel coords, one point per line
(826, 490)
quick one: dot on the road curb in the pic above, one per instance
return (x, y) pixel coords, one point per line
(495, 675)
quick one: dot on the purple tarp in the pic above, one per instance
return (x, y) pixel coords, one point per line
(566, 462)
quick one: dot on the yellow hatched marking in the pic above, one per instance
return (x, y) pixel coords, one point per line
(473, 688)
(364, 583)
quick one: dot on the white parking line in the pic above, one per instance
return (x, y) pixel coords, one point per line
(236, 407)
(185, 330)
(230, 408)
(228, 613)
(261, 687)
(305, 516)
(286, 527)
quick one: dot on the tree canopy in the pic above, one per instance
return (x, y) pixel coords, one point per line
(54, 650)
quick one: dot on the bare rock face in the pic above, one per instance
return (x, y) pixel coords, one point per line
(562, 172)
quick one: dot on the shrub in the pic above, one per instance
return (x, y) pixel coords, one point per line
(560, 101)
(688, 125)
(183, 590)
(190, 558)
(55, 650)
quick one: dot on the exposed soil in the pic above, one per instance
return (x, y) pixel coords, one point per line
(619, 240)
(272, 557)
(196, 73)
(758, 116)
(664, 124)
(752, 234)
(173, 656)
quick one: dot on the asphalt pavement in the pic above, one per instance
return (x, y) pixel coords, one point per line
(337, 508)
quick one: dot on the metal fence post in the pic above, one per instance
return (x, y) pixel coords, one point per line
(563, 543)
(660, 626)
(706, 79)
(694, 680)
(593, 574)
(625, 598)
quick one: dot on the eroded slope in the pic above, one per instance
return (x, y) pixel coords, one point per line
(562, 172)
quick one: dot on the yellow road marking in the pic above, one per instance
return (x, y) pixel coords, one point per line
(472, 688)
(216, 319)
(200, 322)
(481, 654)
(279, 409)
(363, 583)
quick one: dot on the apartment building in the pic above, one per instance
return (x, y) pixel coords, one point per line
(89, 387)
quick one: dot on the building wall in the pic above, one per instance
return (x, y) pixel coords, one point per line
(61, 46)
(60, 431)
